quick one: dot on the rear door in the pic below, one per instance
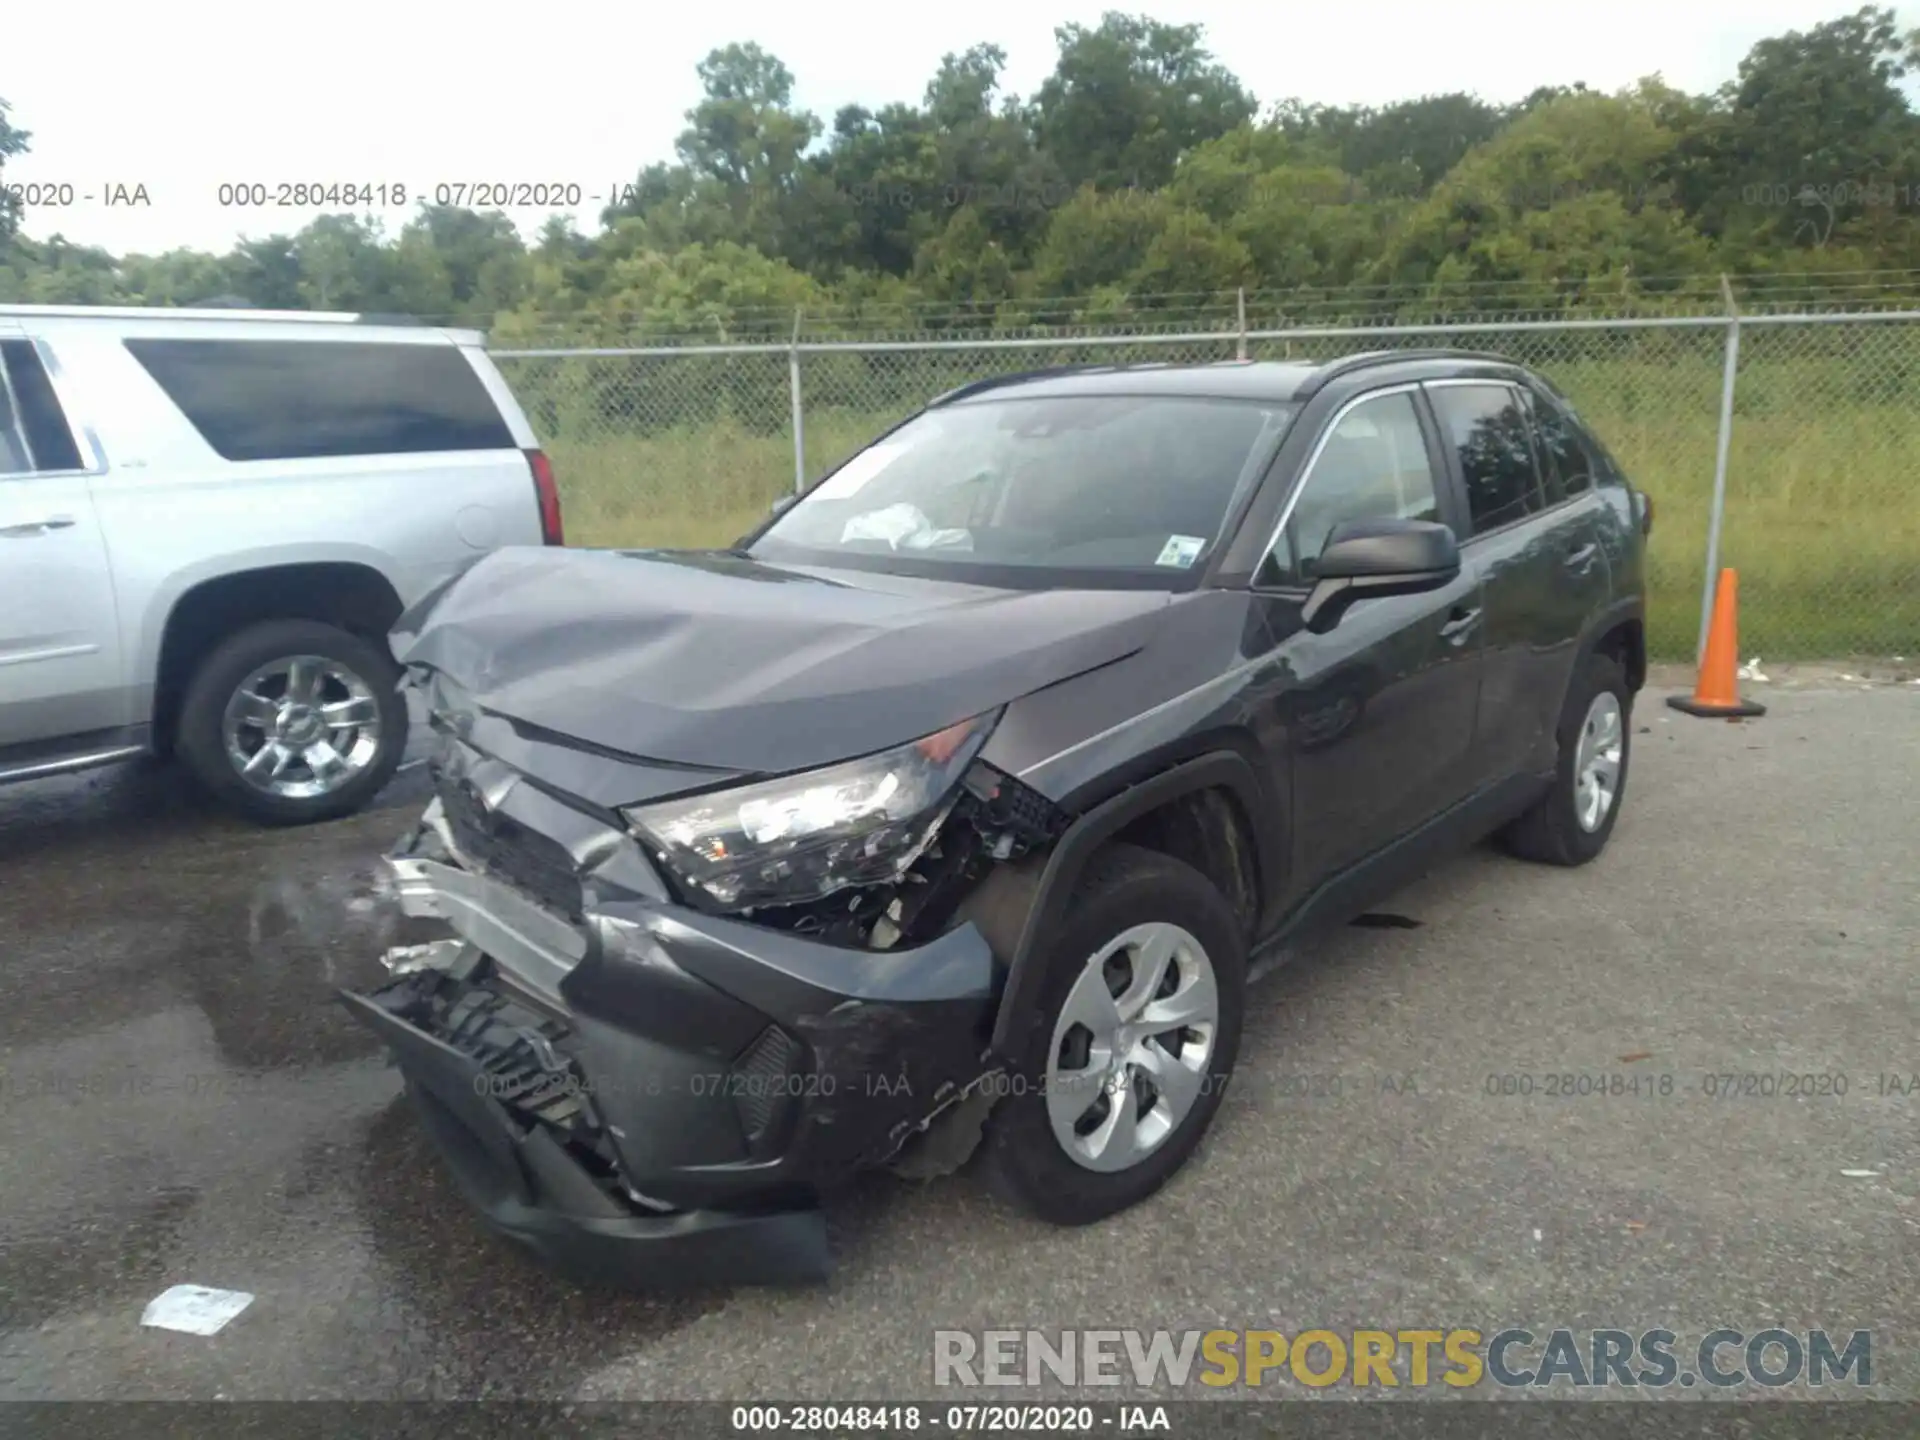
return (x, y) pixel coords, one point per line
(60, 663)
(289, 443)
(1570, 471)
(1536, 553)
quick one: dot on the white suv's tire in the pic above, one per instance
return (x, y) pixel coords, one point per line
(292, 721)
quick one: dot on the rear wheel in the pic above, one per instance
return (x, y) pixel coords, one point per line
(1570, 824)
(1141, 1027)
(292, 721)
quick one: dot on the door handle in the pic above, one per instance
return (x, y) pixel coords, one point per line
(38, 527)
(1459, 622)
(1582, 556)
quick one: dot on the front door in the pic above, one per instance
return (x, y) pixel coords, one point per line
(1373, 719)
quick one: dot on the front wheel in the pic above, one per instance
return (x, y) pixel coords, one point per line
(292, 721)
(1139, 1031)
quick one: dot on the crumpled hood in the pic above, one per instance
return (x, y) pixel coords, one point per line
(715, 660)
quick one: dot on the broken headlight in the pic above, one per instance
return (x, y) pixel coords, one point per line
(802, 837)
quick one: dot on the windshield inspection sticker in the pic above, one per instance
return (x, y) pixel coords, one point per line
(1181, 550)
(853, 476)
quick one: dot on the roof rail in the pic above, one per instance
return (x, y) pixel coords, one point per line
(994, 382)
(218, 308)
(1365, 359)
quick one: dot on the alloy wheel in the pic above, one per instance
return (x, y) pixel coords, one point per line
(301, 727)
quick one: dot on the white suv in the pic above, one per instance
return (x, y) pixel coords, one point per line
(210, 519)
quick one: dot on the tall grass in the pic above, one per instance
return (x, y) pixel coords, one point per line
(1823, 492)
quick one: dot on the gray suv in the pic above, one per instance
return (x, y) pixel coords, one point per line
(962, 799)
(210, 519)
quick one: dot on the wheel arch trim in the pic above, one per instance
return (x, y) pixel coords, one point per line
(1067, 862)
(1627, 609)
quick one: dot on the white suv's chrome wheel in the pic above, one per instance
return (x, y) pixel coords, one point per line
(301, 726)
(1132, 1046)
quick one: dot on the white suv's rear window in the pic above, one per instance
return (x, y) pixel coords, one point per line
(289, 399)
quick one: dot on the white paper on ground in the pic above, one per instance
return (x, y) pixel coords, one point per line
(852, 477)
(195, 1309)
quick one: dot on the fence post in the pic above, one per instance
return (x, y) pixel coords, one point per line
(1720, 465)
(799, 420)
(1240, 351)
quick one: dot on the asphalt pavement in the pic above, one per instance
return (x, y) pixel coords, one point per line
(181, 1103)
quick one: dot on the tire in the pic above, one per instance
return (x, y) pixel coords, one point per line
(201, 737)
(1552, 832)
(1125, 888)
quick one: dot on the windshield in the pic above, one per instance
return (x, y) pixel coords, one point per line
(1108, 484)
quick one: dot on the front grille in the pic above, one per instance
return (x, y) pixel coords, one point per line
(507, 850)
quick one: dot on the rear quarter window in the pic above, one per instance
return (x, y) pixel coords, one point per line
(34, 434)
(290, 399)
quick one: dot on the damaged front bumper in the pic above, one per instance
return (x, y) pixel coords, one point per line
(640, 1092)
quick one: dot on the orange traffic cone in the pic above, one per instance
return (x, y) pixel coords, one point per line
(1717, 695)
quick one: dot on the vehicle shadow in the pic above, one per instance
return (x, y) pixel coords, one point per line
(449, 1268)
(105, 814)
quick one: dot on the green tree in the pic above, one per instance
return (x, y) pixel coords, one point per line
(1301, 219)
(877, 197)
(472, 265)
(176, 277)
(986, 156)
(12, 142)
(1097, 240)
(343, 265)
(1560, 194)
(1813, 128)
(55, 271)
(267, 272)
(964, 264)
(1399, 149)
(1128, 97)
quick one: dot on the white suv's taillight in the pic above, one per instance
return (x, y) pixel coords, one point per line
(548, 495)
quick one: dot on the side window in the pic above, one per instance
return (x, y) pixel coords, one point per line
(34, 434)
(1373, 466)
(1563, 451)
(15, 458)
(1488, 431)
(298, 399)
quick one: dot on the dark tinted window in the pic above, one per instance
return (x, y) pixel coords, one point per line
(1563, 450)
(1488, 431)
(1081, 483)
(1373, 466)
(284, 400)
(13, 443)
(34, 416)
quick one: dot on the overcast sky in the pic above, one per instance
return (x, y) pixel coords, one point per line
(181, 98)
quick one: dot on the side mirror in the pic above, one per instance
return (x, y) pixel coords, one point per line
(1369, 558)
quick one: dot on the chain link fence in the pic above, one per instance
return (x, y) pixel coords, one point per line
(690, 445)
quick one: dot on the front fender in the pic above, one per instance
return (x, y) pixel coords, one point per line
(1053, 887)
